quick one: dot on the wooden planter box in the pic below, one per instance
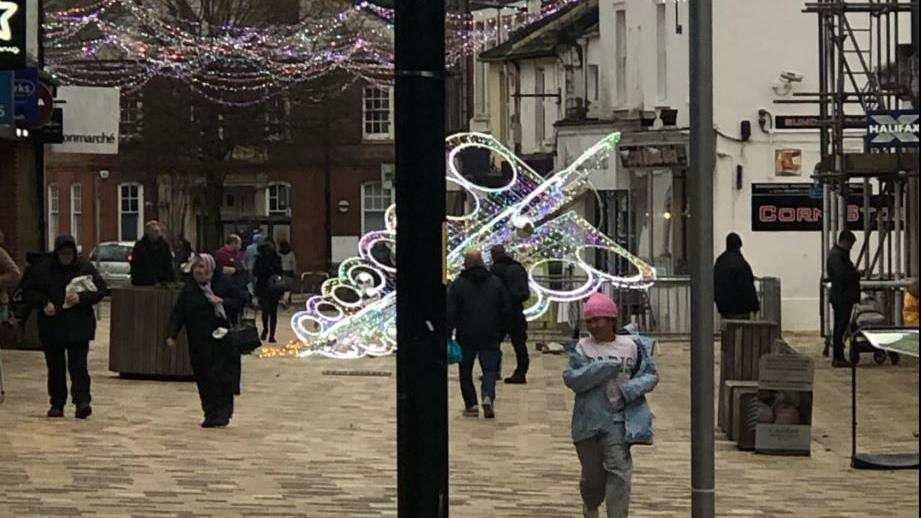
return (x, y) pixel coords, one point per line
(139, 326)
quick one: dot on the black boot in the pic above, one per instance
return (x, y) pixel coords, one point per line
(55, 411)
(516, 379)
(84, 410)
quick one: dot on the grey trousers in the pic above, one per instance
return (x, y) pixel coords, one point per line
(607, 468)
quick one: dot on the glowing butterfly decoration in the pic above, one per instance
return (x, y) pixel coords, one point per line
(355, 313)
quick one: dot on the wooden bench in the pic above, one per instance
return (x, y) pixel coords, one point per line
(138, 330)
(742, 344)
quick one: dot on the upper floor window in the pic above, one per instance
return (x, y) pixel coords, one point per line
(130, 211)
(278, 199)
(132, 117)
(377, 113)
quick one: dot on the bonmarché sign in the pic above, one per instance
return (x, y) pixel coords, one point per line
(101, 138)
(91, 115)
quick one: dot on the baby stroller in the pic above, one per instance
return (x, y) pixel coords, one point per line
(868, 315)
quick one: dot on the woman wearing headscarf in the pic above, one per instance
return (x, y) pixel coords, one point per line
(268, 291)
(206, 306)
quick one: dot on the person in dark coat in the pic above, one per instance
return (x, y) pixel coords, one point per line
(231, 261)
(205, 308)
(267, 273)
(515, 279)
(478, 309)
(66, 322)
(845, 291)
(734, 282)
(151, 258)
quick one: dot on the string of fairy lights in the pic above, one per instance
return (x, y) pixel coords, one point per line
(127, 43)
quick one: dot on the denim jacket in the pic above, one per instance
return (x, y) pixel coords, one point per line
(593, 413)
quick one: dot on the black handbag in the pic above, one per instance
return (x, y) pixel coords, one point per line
(243, 337)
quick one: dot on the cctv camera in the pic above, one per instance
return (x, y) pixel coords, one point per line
(791, 76)
(104, 174)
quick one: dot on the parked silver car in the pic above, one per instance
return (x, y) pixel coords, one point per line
(113, 260)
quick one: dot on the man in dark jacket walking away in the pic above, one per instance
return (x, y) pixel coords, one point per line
(478, 311)
(151, 258)
(845, 291)
(734, 282)
(515, 279)
(66, 322)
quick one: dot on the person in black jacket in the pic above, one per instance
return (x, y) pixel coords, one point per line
(205, 308)
(734, 282)
(478, 311)
(267, 274)
(151, 258)
(515, 279)
(66, 322)
(845, 291)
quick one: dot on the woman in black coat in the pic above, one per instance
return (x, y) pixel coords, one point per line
(267, 273)
(206, 306)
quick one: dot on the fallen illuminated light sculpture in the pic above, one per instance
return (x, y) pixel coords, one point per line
(355, 314)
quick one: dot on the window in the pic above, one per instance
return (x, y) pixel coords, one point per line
(130, 205)
(278, 199)
(54, 208)
(661, 53)
(132, 116)
(377, 115)
(375, 200)
(481, 96)
(593, 83)
(540, 116)
(76, 211)
(277, 117)
(620, 55)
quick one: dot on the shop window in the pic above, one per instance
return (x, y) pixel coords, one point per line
(658, 219)
(375, 200)
(278, 199)
(130, 215)
(54, 213)
(76, 211)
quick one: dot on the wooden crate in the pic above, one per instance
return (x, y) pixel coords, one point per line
(742, 344)
(139, 326)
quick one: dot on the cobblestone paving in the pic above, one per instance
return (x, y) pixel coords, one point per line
(310, 444)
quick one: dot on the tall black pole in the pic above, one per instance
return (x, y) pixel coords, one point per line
(422, 399)
(703, 151)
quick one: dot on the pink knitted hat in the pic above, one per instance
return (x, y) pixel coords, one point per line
(600, 305)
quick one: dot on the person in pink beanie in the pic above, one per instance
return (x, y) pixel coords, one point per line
(610, 374)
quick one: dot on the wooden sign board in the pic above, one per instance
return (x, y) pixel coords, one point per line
(784, 405)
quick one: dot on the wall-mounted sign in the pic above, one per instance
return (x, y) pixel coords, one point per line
(788, 162)
(784, 405)
(788, 122)
(92, 120)
(892, 128)
(665, 155)
(25, 88)
(7, 99)
(12, 34)
(791, 207)
(54, 130)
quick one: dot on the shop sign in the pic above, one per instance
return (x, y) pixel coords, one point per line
(892, 129)
(25, 87)
(12, 34)
(54, 130)
(92, 120)
(784, 404)
(792, 207)
(664, 155)
(791, 122)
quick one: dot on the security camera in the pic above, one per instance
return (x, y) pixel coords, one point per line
(791, 76)
(104, 174)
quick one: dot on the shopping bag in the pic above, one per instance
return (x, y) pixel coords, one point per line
(455, 354)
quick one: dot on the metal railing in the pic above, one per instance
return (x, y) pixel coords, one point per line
(664, 309)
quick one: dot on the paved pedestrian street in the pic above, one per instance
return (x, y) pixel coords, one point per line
(308, 440)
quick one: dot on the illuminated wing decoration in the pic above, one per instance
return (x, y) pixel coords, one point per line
(355, 313)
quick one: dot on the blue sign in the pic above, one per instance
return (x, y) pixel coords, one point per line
(892, 129)
(816, 192)
(7, 104)
(26, 90)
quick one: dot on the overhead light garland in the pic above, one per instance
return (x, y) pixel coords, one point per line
(355, 313)
(127, 43)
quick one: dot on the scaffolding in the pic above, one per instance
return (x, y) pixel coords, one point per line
(868, 65)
